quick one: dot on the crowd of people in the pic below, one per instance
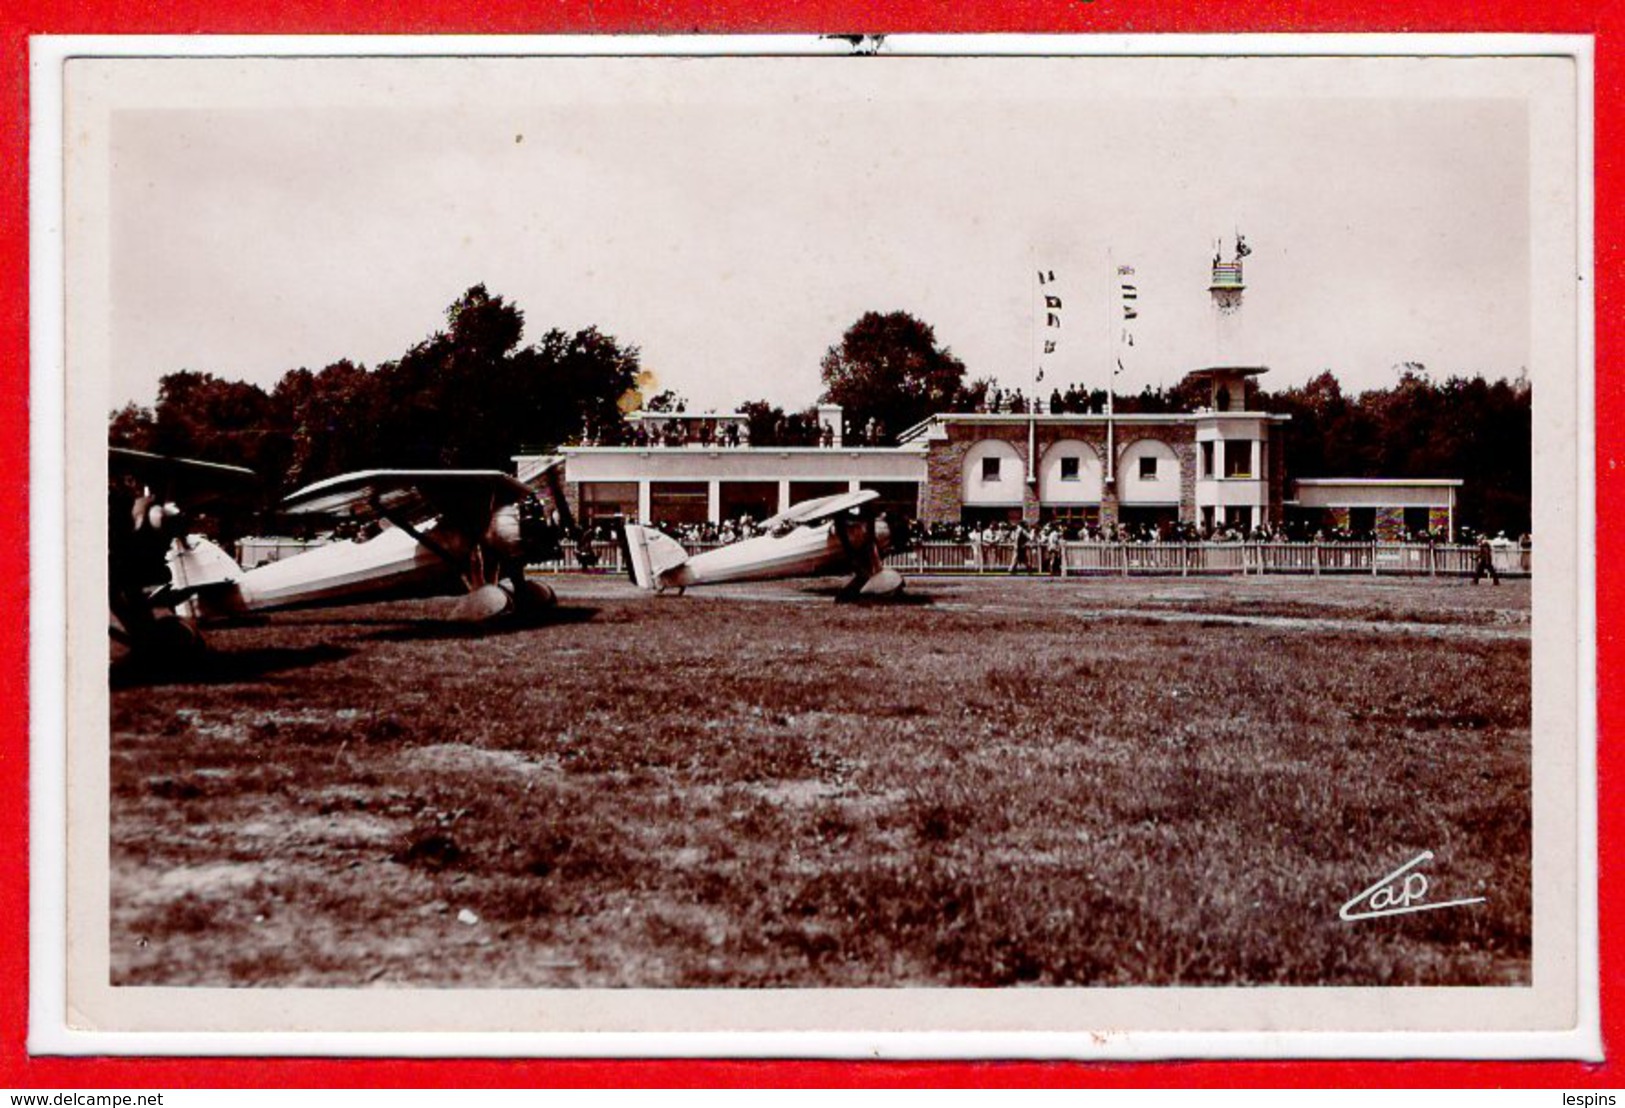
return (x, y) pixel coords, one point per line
(1002, 534)
(1076, 400)
(689, 534)
(689, 432)
(729, 433)
(713, 534)
(1162, 531)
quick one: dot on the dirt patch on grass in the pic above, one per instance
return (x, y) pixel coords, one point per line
(465, 759)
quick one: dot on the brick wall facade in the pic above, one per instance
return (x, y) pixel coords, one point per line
(943, 496)
(942, 499)
(1181, 438)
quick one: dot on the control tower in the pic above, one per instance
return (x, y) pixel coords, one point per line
(1226, 289)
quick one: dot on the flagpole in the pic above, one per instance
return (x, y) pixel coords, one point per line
(1037, 361)
(1032, 311)
(1032, 314)
(1111, 371)
(1038, 369)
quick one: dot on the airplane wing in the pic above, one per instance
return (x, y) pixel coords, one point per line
(413, 494)
(548, 473)
(197, 482)
(816, 511)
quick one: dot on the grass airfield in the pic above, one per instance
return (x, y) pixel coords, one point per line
(999, 781)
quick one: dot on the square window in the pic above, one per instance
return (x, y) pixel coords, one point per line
(990, 469)
(1148, 469)
(1069, 469)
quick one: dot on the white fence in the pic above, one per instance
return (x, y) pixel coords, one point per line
(1166, 559)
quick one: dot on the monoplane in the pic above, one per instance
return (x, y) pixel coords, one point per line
(831, 535)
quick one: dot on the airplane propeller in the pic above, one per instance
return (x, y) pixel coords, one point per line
(145, 520)
(862, 533)
(517, 535)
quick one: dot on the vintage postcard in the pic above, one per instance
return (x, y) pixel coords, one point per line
(840, 545)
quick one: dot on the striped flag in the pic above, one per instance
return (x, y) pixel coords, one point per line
(1052, 306)
(1128, 298)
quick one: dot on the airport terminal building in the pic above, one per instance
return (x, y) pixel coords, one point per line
(1221, 465)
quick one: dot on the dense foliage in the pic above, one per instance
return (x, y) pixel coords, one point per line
(1465, 427)
(771, 425)
(888, 373)
(468, 396)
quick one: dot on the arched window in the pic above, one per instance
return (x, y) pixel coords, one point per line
(1148, 473)
(1069, 472)
(993, 474)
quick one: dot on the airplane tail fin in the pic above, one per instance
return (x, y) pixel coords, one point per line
(651, 554)
(202, 580)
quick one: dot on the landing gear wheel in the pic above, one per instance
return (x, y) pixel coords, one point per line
(176, 638)
(485, 602)
(534, 596)
(888, 582)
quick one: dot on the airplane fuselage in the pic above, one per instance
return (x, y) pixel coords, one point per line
(391, 565)
(801, 552)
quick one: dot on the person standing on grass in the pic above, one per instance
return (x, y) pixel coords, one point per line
(1018, 550)
(1486, 561)
(1052, 551)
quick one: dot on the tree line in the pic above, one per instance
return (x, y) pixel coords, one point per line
(1468, 427)
(471, 396)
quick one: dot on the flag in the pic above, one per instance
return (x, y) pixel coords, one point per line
(1052, 307)
(1128, 293)
(1128, 297)
(1242, 249)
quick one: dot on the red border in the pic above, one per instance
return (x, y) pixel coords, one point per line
(20, 19)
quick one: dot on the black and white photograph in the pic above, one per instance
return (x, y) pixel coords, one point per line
(860, 537)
